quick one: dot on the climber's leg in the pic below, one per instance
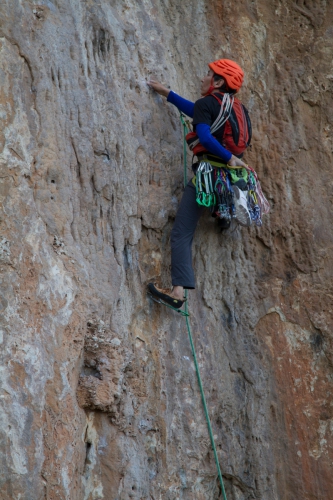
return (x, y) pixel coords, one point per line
(187, 218)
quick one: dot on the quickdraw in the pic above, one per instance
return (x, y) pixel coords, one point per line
(214, 191)
(252, 200)
(262, 202)
(224, 195)
(204, 185)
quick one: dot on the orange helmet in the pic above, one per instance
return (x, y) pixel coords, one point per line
(230, 71)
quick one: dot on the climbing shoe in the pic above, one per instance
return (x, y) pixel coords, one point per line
(242, 214)
(165, 296)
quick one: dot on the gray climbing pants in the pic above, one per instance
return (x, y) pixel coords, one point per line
(188, 215)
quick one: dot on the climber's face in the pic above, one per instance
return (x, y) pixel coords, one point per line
(207, 81)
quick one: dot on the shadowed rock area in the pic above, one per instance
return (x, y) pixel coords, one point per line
(99, 397)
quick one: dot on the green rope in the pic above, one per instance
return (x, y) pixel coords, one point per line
(210, 430)
(209, 425)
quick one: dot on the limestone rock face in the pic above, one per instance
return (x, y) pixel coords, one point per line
(99, 397)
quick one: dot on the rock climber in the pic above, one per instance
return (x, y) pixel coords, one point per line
(224, 78)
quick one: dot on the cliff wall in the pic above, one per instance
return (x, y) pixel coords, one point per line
(99, 398)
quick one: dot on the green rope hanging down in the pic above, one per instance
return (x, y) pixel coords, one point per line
(210, 430)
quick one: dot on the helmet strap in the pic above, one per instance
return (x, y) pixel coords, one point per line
(211, 88)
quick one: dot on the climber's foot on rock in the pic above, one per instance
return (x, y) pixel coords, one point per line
(166, 295)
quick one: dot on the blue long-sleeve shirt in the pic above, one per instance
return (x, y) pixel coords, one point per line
(202, 129)
(185, 106)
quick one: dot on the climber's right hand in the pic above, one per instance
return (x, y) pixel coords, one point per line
(236, 162)
(158, 87)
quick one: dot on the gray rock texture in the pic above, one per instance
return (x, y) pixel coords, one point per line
(99, 398)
